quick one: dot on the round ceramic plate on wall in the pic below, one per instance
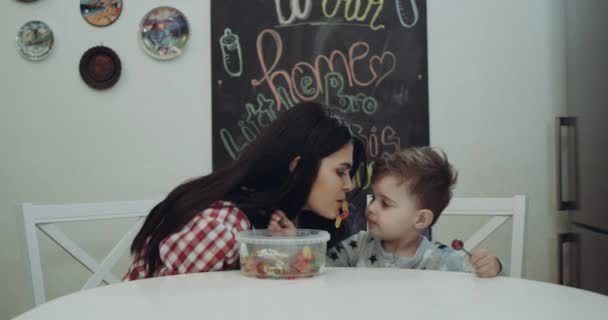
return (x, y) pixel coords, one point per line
(100, 67)
(100, 13)
(35, 40)
(164, 33)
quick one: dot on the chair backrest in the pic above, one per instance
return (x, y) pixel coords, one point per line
(44, 217)
(501, 210)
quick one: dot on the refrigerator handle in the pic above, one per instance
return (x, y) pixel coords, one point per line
(568, 275)
(567, 130)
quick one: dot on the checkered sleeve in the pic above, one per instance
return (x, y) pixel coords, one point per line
(207, 243)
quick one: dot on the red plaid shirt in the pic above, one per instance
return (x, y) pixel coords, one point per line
(206, 243)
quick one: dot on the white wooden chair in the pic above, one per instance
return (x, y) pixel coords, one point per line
(44, 217)
(501, 210)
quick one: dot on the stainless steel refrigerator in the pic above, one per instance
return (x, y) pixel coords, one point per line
(582, 156)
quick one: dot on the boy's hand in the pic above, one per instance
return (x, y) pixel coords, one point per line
(280, 224)
(486, 263)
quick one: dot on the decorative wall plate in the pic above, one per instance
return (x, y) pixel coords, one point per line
(100, 13)
(164, 33)
(100, 67)
(35, 40)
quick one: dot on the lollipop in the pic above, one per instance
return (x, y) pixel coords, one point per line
(459, 245)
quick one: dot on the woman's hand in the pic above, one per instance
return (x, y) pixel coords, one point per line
(280, 224)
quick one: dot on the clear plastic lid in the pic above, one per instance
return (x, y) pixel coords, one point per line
(298, 237)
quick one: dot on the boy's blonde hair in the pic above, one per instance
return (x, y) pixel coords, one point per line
(427, 174)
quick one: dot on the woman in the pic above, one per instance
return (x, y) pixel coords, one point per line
(302, 161)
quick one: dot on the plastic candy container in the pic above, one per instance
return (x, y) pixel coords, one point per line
(268, 255)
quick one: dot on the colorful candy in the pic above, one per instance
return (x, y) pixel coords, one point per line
(270, 263)
(343, 214)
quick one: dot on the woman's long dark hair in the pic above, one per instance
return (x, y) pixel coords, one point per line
(259, 181)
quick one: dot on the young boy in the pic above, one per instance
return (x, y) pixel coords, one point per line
(411, 189)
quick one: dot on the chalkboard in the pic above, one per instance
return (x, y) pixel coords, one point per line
(367, 59)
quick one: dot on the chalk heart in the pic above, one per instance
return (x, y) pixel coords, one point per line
(379, 63)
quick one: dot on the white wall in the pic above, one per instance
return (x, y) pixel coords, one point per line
(496, 84)
(61, 141)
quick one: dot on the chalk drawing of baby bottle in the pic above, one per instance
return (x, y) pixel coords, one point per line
(231, 53)
(403, 13)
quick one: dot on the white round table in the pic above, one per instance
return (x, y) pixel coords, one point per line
(337, 294)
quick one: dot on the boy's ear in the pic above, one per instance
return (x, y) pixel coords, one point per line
(294, 163)
(424, 218)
